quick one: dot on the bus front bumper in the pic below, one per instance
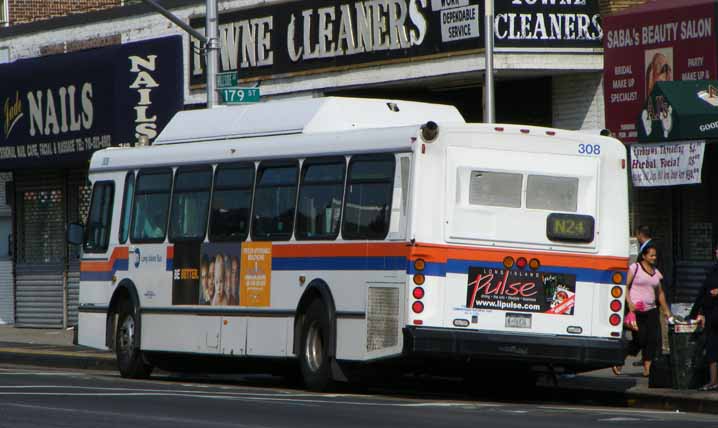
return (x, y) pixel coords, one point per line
(571, 352)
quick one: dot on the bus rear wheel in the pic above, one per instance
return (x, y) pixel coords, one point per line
(314, 360)
(130, 360)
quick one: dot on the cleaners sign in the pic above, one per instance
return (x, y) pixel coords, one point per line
(314, 36)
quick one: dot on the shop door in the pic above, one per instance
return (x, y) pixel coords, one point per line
(41, 249)
(697, 212)
(7, 299)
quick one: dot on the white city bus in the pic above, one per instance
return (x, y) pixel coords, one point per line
(337, 230)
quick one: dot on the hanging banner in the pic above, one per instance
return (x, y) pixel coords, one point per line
(671, 164)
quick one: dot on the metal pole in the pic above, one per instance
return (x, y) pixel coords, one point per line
(180, 23)
(489, 116)
(209, 41)
(212, 53)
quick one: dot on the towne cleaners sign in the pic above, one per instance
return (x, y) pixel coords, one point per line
(313, 36)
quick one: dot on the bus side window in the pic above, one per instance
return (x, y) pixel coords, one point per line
(320, 198)
(127, 198)
(231, 202)
(99, 219)
(367, 206)
(274, 201)
(149, 212)
(190, 203)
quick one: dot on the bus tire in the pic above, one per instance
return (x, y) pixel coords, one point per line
(314, 360)
(130, 360)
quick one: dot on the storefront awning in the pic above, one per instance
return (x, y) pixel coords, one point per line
(679, 111)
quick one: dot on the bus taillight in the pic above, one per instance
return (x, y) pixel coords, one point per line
(617, 277)
(508, 262)
(417, 307)
(418, 293)
(534, 264)
(616, 305)
(419, 264)
(616, 292)
(521, 263)
(614, 319)
(419, 279)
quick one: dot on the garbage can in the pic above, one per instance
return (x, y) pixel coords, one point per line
(687, 360)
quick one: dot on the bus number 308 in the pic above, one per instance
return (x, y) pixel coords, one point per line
(589, 149)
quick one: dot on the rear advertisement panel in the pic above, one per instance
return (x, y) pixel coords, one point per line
(522, 291)
(644, 48)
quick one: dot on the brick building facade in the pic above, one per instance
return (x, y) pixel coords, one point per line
(23, 11)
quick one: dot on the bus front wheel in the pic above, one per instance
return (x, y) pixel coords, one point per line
(129, 357)
(314, 357)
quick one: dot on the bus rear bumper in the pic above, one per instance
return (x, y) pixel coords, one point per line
(570, 352)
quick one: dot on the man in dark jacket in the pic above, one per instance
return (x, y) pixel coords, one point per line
(705, 311)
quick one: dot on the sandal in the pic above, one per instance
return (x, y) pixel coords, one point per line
(709, 387)
(616, 370)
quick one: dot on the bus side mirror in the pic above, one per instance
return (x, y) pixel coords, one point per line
(75, 233)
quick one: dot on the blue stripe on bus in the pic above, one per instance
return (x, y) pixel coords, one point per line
(431, 268)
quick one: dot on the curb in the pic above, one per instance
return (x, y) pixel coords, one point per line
(671, 403)
(656, 399)
(58, 359)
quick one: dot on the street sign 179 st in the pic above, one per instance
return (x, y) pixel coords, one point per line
(239, 95)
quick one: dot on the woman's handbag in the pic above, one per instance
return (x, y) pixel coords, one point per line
(630, 321)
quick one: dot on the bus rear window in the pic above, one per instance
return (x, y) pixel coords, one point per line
(498, 189)
(546, 192)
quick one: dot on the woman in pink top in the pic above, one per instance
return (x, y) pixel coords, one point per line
(645, 294)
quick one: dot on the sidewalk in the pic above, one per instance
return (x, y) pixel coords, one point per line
(49, 348)
(54, 348)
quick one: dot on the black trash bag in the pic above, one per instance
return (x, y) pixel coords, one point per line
(661, 374)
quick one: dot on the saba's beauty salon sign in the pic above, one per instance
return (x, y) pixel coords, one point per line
(313, 36)
(59, 109)
(651, 46)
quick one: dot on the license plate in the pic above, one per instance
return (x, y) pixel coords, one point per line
(518, 320)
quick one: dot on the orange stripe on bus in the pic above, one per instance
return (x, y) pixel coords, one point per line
(442, 253)
(342, 250)
(118, 253)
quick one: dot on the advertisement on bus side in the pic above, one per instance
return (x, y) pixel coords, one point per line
(524, 291)
(222, 274)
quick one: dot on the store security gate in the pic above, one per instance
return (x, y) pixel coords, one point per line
(47, 271)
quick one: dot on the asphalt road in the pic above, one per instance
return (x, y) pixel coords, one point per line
(45, 398)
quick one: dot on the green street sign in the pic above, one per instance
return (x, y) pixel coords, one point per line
(227, 80)
(239, 95)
